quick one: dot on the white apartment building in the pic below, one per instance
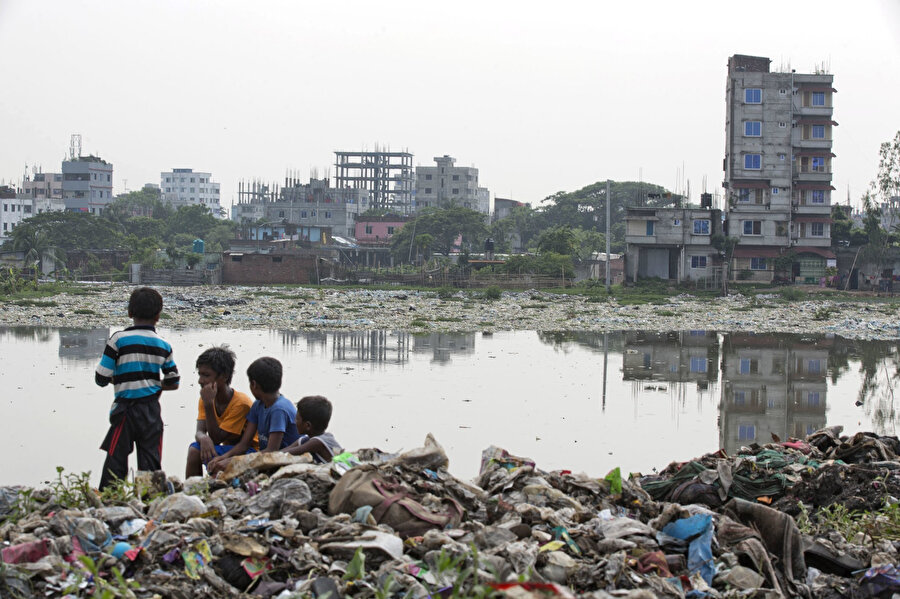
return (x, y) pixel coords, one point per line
(184, 187)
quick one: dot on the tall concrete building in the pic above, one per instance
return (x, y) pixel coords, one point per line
(388, 176)
(87, 184)
(445, 184)
(778, 168)
(184, 187)
(44, 190)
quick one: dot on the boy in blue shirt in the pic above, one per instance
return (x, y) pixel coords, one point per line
(140, 366)
(272, 416)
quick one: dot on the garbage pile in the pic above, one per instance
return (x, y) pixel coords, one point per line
(372, 524)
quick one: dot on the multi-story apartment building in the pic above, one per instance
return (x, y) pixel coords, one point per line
(45, 192)
(14, 208)
(87, 184)
(778, 168)
(184, 187)
(307, 204)
(445, 184)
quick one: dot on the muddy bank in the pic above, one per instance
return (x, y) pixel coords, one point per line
(378, 525)
(305, 309)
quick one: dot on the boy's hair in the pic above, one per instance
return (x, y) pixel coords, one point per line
(220, 359)
(267, 374)
(316, 410)
(145, 303)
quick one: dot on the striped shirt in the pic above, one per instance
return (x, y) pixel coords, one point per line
(136, 360)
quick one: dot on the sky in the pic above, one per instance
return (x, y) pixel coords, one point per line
(541, 97)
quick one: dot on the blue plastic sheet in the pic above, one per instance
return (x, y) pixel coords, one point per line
(699, 531)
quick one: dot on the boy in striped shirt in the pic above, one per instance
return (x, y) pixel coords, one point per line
(139, 364)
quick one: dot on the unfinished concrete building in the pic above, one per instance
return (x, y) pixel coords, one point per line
(388, 176)
(778, 168)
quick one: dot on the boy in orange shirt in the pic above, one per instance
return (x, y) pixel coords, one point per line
(222, 411)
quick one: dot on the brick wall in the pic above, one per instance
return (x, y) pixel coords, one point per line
(254, 269)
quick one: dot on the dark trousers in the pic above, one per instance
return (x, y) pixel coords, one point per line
(132, 424)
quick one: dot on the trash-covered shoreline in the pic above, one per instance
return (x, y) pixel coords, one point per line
(377, 525)
(297, 308)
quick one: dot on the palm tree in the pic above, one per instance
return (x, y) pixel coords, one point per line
(36, 246)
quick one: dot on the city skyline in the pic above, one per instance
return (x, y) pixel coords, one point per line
(539, 100)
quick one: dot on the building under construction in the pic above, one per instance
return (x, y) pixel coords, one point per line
(387, 175)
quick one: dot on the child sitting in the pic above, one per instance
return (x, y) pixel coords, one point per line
(272, 416)
(222, 411)
(313, 416)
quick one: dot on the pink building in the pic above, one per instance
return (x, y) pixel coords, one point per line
(376, 231)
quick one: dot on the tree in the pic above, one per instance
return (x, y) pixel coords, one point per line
(887, 180)
(559, 240)
(36, 245)
(444, 225)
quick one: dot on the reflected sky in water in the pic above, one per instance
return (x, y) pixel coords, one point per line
(569, 400)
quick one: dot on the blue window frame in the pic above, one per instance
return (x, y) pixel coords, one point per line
(818, 131)
(740, 398)
(818, 163)
(753, 161)
(757, 264)
(817, 196)
(649, 227)
(749, 366)
(698, 364)
(303, 214)
(753, 95)
(812, 400)
(752, 227)
(752, 128)
(701, 227)
(746, 432)
(818, 99)
(698, 261)
(814, 367)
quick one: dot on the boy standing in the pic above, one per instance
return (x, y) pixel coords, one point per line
(272, 416)
(313, 416)
(140, 366)
(222, 411)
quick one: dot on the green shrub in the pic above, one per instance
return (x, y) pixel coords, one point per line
(793, 294)
(492, 293)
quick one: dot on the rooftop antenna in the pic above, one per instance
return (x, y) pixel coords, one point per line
(75, 146)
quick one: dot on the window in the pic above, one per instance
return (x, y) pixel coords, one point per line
(303, 214)
(701, 227)
(757, 264)
(814, 367)
(749, 366)
(698, 364)
(649, 227)
(698, 261)
(743, 194)
(237, 257)
(327, 214)
(428, 177)
(817, 229)
(740, 398)
(817, 196)
(192, 179)
(753, 95)
(455, 190)
(456, 177)
(782, 125)
(427, 190)
(782, 91)
(390, 230)
(818, 131)
(818, 98)
(818, 164)
(192, 190)
(753, 161)
(276, 258)
(781, 157)
(752, 128)
(312, 213)
(752, 227)
(281, 214)
(812, 400)
(746, 432)
(368, 229)
(774, 191)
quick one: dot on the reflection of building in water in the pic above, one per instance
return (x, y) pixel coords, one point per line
(773, 384)
(82, 344)
(589, 339)
(27, 333)
(681, 357)
(443, 345)
(370, 346)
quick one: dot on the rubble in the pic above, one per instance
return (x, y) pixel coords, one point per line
(294, 308)
(718, 526)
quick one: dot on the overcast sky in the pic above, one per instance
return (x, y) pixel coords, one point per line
(541, 97)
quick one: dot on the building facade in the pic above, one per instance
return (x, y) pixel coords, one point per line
(388, 176)
(87, 184)
(445, 184)
(778, 168)
(672, 243)
(184, 187)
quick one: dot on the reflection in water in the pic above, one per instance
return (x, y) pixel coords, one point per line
(82, 344)
(380, 347)
(27, 333)
(443, 345)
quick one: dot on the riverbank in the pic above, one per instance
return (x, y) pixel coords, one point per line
(298, 308)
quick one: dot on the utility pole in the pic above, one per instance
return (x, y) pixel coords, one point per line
(608, 201)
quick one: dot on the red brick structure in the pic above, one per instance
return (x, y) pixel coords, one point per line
(258, 269)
